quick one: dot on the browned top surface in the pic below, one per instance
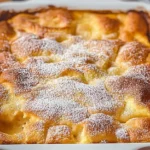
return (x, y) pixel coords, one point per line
(74, 76)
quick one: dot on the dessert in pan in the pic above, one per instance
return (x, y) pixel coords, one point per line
(70, 76)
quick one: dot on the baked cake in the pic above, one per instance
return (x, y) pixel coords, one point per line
(74, 76)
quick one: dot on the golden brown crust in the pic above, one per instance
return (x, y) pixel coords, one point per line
(139, 129)
(136, 23)
(21, 78)
(133, 53)
(70, 76)
(6, 31)
(57, 18)
(4, 45)
(99, 127)
(59, 134)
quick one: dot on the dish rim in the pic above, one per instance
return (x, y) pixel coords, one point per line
(114, 5)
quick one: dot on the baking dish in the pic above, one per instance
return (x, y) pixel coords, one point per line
(73, 4)
(84, 4)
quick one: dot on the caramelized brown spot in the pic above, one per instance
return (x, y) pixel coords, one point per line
(108, 25)
(136, 23)
(6, 31)
(22, 79)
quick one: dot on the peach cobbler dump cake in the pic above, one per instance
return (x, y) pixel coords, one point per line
(70, 76)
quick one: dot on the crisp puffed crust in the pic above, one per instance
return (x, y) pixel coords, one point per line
(74, 76)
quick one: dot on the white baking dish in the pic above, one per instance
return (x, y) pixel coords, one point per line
(75, 4)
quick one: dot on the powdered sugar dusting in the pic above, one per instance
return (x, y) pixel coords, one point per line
(58, 133)
(23, 79)
(7, 60)
(76, 57)
(31, 45)
(55, 109)
(133, 53)
(99, 124)
(122, 134)
(95, 50)
(130, 85)
(104, 141)
(49, 69)
(141, 72)
(78, 52)
(3, 93)
(4, 45)
(55, 69)
(56, 80)
(71, 99)
(106, 46)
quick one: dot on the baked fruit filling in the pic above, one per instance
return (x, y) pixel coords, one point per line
(70, 76)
